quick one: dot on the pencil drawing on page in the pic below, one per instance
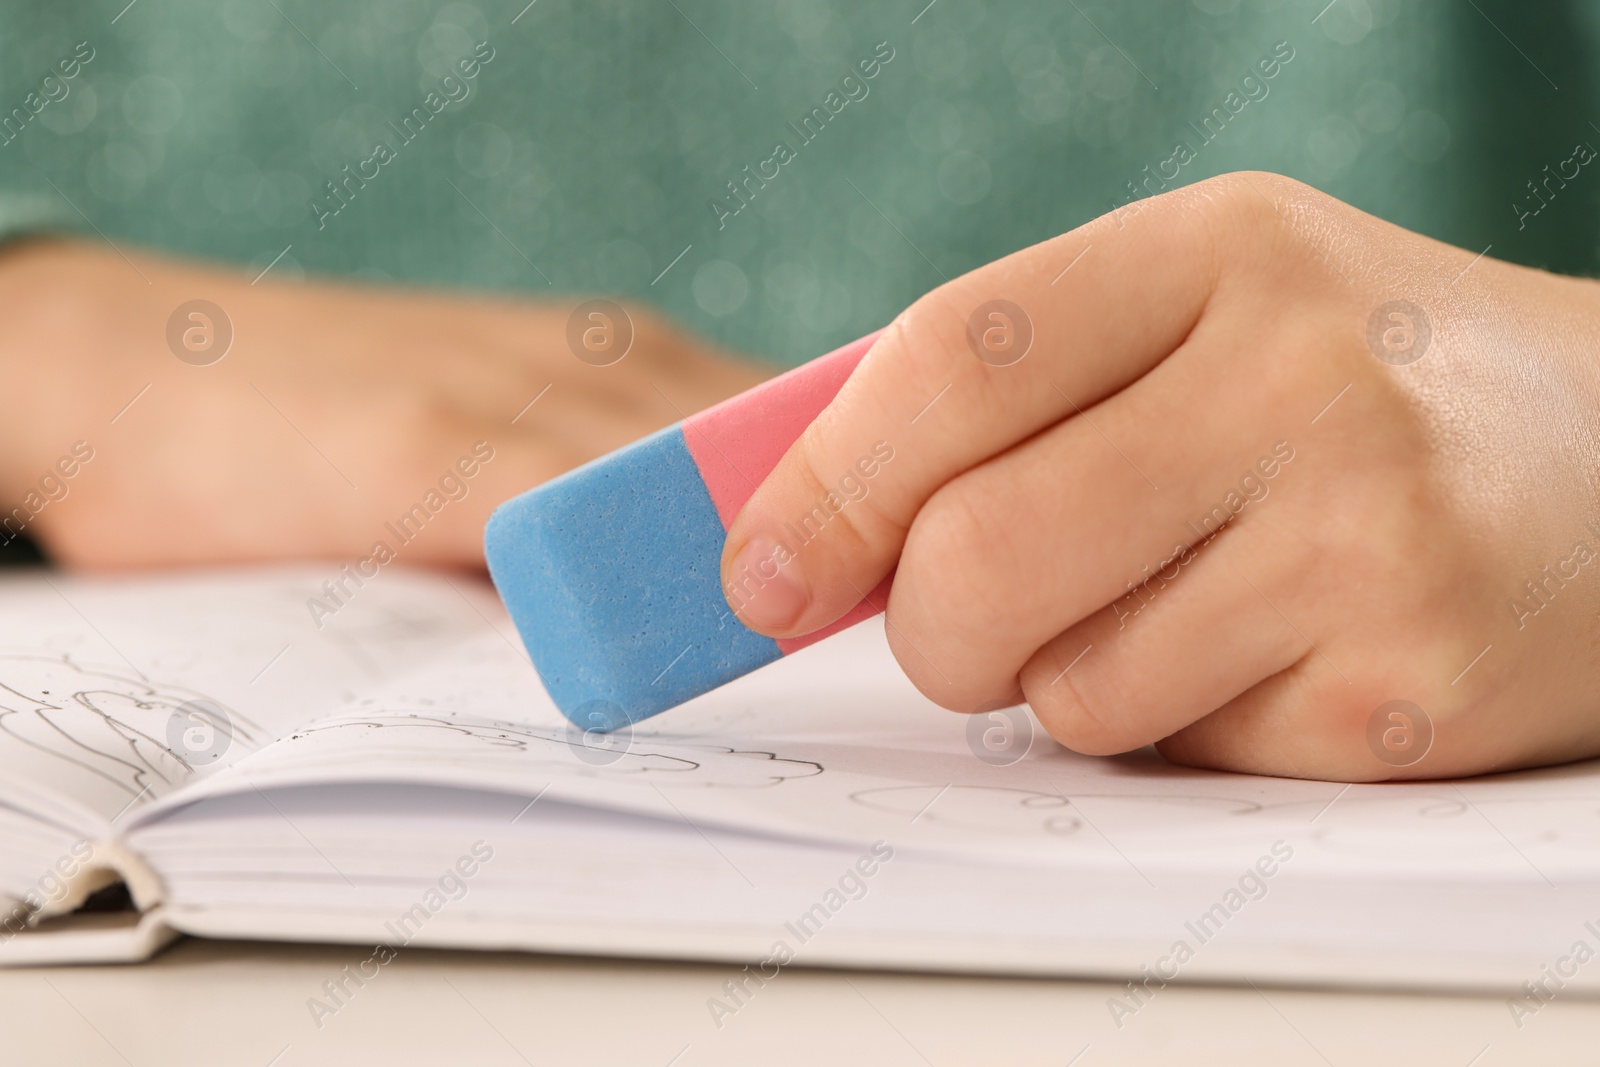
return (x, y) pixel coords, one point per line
(990, 808)
(140, 736)
(442, 738)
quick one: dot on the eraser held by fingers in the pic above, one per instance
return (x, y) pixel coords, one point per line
(611, 572)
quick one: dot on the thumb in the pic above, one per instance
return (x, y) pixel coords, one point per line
(795, 503)
(814, 539)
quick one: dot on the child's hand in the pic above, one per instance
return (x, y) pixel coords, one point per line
(336, 413)
(1399, 435)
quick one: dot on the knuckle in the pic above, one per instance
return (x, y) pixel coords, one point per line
(924, 347)
(924, 673)
(853, 529)
(1259, 194)
(1280, 220)
(948, 562)
(1073, 716)
(941, 676)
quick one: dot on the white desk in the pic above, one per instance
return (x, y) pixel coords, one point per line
(225, 1004)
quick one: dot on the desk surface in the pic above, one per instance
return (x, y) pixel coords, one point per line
(220, 1003)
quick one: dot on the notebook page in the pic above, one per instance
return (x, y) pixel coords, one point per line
(115, 692)
(833, 743)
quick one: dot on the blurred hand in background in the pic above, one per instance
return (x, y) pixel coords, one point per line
(296, 419)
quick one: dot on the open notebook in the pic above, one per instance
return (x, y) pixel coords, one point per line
(396, 776)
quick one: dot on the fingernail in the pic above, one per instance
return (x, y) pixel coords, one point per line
(765, 588)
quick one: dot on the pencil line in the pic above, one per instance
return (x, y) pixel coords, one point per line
(95, 628)
(1078, 807)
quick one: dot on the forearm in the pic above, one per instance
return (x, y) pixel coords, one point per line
(312, 412)
(52, 292)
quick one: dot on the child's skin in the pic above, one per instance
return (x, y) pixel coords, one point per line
(1197, 340)
(1201, 338)
(336, 410)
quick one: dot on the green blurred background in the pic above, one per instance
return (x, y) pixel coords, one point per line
(591, 146)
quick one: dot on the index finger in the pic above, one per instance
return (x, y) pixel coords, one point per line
(972, 368)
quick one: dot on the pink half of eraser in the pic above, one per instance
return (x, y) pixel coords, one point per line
(737, 443)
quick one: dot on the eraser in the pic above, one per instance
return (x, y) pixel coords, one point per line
(611, 572)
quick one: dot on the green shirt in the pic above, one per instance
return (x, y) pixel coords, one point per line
(782, 176)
